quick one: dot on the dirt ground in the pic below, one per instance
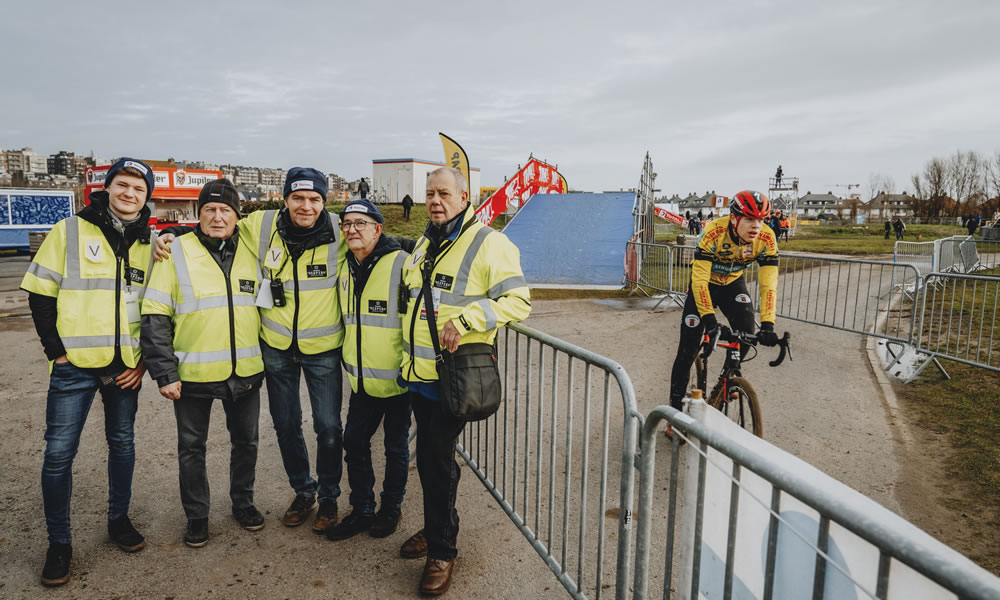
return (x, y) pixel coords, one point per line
(827, 407)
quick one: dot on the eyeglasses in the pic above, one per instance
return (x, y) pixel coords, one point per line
(356, 225)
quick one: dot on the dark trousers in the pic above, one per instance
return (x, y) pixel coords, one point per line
(193, 416)
(437, 434)
(736, 304)
(364, 415)
(71, 394)
(406, 213)
(323, 380)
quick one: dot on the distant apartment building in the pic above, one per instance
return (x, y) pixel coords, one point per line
(63, 163)
(813, 205)
(246, 176)
(34, 162)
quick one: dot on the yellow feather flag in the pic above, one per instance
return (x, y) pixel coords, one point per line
(454, 156)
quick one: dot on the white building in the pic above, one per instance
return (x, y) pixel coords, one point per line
(393, 178)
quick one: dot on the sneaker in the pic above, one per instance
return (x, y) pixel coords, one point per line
(298, 511)
(124, 534)
(56, 569)
(196, 535)
(249, 518)
(386, 522)
(353, 524)
(326, 516)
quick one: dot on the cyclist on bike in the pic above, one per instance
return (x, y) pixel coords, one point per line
(725, 249)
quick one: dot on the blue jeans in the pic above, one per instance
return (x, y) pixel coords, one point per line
(71, 393)
(364, 415)
(323, 380)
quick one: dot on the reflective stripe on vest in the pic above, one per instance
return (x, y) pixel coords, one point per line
(199, 326)
(378, 337)
(277, 322)
(94, 350)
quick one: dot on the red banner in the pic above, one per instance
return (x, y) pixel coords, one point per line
(669, 216)
(536, 177)
(169, 183)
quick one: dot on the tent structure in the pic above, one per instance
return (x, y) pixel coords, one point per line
(573, 240)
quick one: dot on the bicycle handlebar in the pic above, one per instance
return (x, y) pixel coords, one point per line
(726, 334)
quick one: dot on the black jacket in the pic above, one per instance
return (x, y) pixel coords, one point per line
(158, 340)
(43, 308)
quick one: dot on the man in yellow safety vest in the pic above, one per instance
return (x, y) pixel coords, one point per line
(373, 345)
(85, 287)
(300, 249)
(200, 330)
(477, 286)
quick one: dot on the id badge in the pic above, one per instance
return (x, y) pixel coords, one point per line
(132, 305)
(436, 297)
(264, 298)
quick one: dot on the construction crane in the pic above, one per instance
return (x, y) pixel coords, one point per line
(849, 186)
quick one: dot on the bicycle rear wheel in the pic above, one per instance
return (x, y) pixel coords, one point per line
(741, 405)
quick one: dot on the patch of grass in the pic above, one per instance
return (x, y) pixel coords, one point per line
(858, 240)
(563, 294)
(967, 408)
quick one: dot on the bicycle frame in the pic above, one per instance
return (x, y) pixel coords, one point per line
(731, 368)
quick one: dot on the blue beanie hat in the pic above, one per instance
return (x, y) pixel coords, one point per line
(304, 178)
(364, 206)
(132, 163)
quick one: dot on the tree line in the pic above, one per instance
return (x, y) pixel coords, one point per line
(966, 183)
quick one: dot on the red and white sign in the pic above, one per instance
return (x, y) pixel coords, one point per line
(535, 178)
(169, 184)
(669, 216)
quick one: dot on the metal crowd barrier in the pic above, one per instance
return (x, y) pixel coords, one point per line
(847, 294)
(919, 254)
(958, 319)
(755, 522)
(546, 456)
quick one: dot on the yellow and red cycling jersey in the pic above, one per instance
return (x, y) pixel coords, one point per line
(721, 260)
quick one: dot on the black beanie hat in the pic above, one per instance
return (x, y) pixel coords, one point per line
(132, 163)
(304, 178)
(219, 190)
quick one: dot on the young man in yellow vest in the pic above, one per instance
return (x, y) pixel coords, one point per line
(300, 250)
(85, 288)
(373, 345)
(200, 330)
(477, 287)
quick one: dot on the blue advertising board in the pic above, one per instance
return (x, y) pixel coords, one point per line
(23, 210)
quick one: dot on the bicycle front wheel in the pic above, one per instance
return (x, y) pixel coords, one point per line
(738, 401)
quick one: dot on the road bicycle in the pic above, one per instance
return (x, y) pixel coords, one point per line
(733, 394)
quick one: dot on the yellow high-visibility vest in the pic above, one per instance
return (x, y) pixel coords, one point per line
(312, 309)
(216, 324)
(373, 327)
(77, 266)
(476, 282)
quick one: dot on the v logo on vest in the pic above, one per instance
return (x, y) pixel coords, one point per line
(273, 259)
(93, 251)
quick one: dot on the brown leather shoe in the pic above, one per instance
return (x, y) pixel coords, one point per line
(437, 577)
(415, 547)
(298, 511)
(326, 516)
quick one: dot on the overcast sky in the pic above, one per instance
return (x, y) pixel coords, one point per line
(718, 92)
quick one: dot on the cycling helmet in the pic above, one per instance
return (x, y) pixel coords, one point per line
(749, 203)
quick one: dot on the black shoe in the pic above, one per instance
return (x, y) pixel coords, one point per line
(353, 524)
(196, 535)
(56, 569)
(386, 522)
(124, 534)
(249, 518)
